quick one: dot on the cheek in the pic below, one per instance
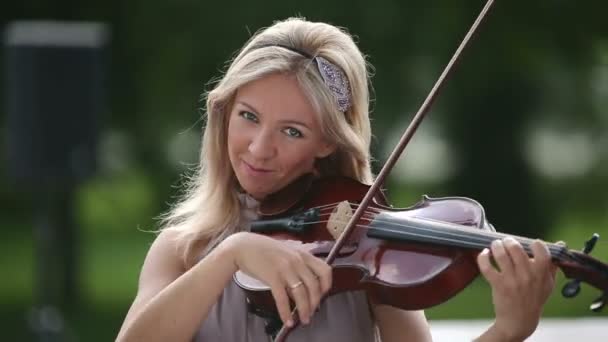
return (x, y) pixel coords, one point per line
(299, 159)
(234, 141)
(236, 136)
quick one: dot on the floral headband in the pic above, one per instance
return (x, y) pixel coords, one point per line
(332, 75)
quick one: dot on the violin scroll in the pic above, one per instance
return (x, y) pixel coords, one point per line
(599, 279)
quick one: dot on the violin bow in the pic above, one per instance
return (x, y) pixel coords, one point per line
(395, 154)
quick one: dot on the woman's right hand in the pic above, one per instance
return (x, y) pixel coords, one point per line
(289, 270)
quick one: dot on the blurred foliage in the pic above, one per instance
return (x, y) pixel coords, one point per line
(533, 63)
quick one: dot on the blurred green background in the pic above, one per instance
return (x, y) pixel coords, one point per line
(522, 127)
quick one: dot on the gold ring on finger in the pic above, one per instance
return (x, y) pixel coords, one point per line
(296, 285)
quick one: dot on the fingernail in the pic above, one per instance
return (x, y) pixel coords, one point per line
(290, 323)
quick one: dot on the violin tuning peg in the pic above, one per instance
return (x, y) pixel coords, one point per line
(599, 303)
(572, 288)
(590, 244)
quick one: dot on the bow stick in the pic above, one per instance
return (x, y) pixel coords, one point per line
(395, 154)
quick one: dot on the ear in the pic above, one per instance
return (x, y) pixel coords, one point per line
(325, 150)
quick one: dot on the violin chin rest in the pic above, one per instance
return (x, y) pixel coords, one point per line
(247, 282)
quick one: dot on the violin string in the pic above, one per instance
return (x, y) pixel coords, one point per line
(467, 231)
(556, 251)
(481, 242)
(370, 213)
(464, 229)
(474, 240)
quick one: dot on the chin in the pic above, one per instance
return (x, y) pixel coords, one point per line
(257, 194)
(253, 189)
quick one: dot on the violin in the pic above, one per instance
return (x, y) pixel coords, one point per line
(411, 258)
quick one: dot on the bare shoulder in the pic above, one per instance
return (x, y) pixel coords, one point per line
(401, 325)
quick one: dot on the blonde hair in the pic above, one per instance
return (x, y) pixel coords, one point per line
(210, 209)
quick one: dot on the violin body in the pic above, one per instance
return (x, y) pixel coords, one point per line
(394, 268)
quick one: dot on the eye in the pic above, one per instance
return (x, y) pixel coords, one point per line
(248, 116)
(293, 132)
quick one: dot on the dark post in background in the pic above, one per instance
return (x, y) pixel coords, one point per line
(54, 82)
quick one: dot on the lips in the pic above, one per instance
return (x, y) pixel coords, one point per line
(256, 169)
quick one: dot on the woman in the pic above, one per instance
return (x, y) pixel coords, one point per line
(293, 102)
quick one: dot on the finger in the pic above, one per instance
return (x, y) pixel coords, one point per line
(322, 271)
(486, 268)
(553, 270)
(502, 259)
(542, 256)
(520, 259)
(542, 261)
(544, 266)
(313, 286)
(299, 294)
(282, 302)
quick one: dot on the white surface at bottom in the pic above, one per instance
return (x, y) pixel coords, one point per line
(549, 329)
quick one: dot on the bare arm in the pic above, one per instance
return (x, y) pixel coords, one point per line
(171, 301)
(495, 335)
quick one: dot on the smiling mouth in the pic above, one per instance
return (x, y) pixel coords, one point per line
(255, 168)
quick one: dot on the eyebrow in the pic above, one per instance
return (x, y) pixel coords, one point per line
(288, 121)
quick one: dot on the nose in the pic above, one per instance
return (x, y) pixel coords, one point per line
(262, 145)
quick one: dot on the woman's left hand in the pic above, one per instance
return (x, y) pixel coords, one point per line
(520, 286)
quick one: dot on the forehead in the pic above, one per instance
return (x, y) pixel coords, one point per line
(277, 95)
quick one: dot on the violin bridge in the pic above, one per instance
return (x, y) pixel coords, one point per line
(339, 218)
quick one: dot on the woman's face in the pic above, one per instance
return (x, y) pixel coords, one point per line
(273, 135)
